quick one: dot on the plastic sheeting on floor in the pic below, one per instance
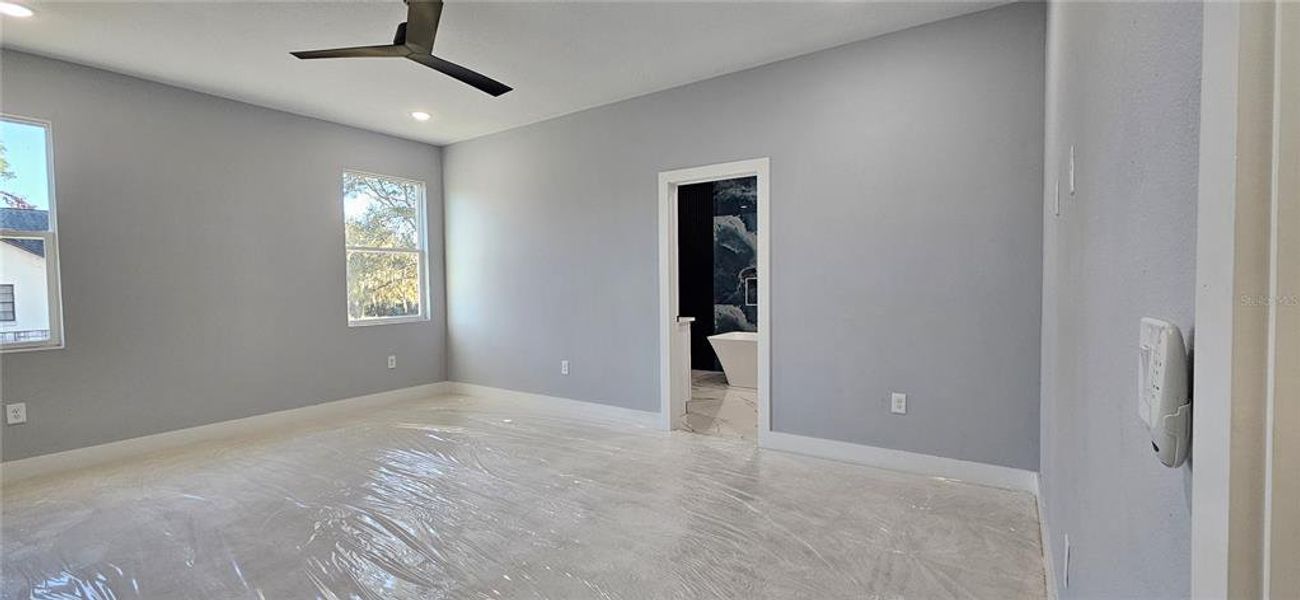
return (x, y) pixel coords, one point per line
(460, 498)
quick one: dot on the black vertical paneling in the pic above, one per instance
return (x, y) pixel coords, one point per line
(695, 269)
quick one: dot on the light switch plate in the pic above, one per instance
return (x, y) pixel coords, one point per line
(564, 367)
(392, 361)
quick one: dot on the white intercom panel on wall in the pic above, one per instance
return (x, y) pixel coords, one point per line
(1163, 401)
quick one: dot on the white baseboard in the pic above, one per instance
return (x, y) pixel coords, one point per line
(592, 409)
(924, 464)
(899, 460)
(91, 456)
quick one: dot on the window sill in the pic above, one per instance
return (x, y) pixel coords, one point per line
(386, 321)
(31, 347)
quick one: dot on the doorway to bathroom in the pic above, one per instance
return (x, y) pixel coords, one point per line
(713, 283)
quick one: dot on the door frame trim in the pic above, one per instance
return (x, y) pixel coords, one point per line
(1235, 299)
(669, 181)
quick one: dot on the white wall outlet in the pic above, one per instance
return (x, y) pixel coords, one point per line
(1065, 564)
(564, 367)
(16, 413)
(392, 361)
(898, 403)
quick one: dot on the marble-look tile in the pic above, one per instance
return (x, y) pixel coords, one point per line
(718, 409)
(708, 379)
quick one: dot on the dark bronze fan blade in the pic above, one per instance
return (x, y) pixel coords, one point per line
(482, 82)
(386, 51)
(422, 22)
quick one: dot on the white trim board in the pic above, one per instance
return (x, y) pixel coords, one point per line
(669, 181)
(92, 456)
(588, 409)
(900, 460)
(1234, 211)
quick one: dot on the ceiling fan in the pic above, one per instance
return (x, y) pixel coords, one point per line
(414, 41)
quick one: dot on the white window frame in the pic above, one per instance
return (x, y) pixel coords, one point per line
(51, 239)
(13, 300)
(422, 249)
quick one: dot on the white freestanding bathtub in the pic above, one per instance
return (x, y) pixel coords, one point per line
(738, 352)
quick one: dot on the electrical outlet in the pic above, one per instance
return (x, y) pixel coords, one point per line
(392, 361)
(16, 413)
(1065, 564)
(898, 403)
(564, 367)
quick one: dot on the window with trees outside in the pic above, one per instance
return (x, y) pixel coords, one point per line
(30, 308)
(384, 231)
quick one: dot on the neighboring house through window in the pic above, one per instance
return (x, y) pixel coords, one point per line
(6, 302)
(29, 266)
(384, 235)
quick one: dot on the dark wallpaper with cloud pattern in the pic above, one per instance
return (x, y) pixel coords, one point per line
(717, 242)
(735, 255)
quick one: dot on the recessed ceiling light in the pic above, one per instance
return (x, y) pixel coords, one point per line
(420, 115)
(10, 9)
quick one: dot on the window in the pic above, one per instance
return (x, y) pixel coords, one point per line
(6, 302)
(384, 234)
(29, 262)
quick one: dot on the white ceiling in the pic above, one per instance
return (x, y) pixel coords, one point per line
(559, 57)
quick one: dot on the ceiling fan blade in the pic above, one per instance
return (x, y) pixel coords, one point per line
(482, 82)
(422, 22)
(384, 51)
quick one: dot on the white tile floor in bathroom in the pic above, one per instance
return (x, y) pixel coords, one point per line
(461, 497)
(718, 409)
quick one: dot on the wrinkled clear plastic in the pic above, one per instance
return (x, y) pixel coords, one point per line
(471, 498)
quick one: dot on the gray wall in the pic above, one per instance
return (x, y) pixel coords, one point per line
(906, 242)
(202, 256)
(1124, 88)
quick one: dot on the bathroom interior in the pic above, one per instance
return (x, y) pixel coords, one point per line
(718, 287)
